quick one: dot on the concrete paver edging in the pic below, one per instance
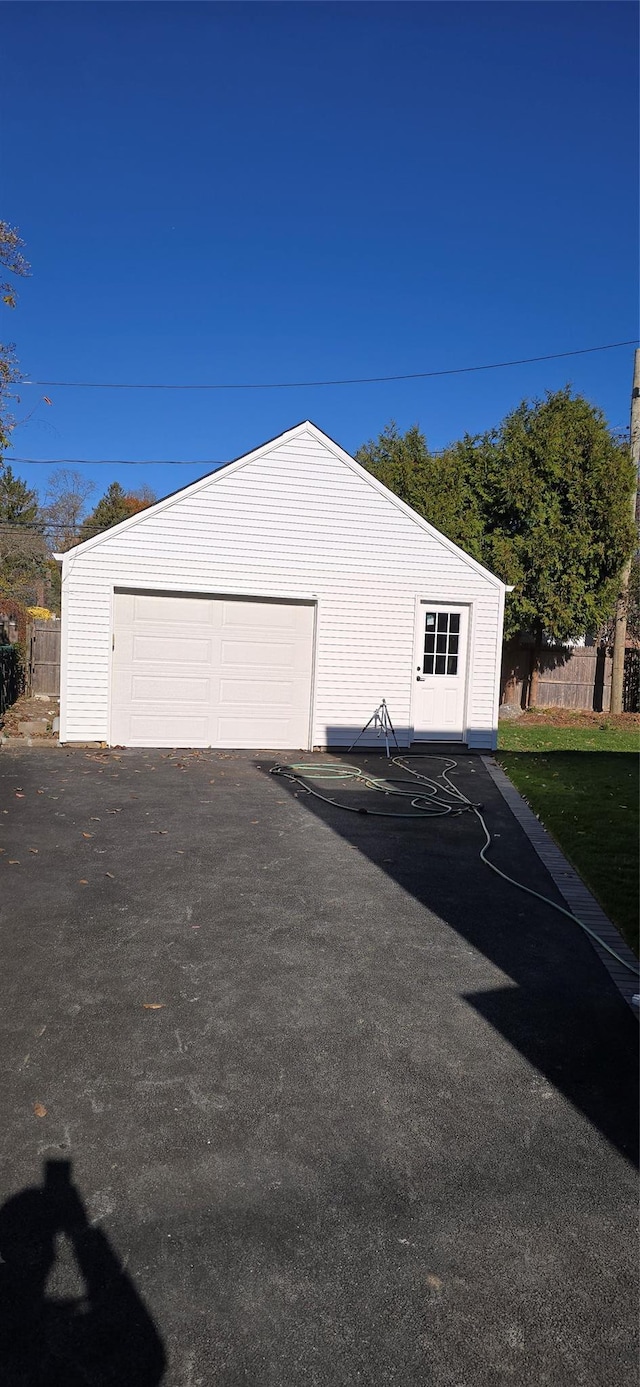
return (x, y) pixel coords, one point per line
(571, 886)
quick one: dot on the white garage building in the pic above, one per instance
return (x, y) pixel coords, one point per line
(273, 604)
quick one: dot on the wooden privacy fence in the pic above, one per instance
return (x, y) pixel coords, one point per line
(43, 658)
(570, 677)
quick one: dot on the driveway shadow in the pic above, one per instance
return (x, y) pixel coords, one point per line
(105, 1338)
(562, 1012)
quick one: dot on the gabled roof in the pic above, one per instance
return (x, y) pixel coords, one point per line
(226, 468)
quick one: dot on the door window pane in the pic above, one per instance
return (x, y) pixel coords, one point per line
(441, 643)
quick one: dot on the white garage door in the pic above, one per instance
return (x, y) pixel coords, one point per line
(211, 671)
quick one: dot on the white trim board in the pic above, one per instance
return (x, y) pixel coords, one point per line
(571, 886)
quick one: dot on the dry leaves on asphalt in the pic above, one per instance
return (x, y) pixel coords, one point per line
(153, 1006)
(40, 1110)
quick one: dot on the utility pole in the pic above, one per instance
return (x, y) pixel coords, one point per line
(620, 630)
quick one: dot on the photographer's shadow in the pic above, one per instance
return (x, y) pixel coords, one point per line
(104, 1337)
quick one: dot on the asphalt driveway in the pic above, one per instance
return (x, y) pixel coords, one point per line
(293, 1095)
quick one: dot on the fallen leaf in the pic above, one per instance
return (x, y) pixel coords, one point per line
(34, 850)
(153, 1006)
(95, 819)
(110, 874)
(82, 882)
(255, 821)
(87, 835)
(14, 862)
(19, 796)
(40, 1110)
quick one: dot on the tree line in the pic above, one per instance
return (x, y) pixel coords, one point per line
(542, 500)
(31, 530)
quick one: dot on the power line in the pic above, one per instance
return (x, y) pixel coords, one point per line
(308, 384)
(158, 462)
(40, 525)
(118, 462)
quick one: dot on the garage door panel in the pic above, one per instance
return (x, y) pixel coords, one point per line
(255, 693)
(163, 689)
(258, 654)
(211, 672)
(161, 609)
(155, 686)
(262, 732)
(179, 649)
(242, 612)
(162, 729)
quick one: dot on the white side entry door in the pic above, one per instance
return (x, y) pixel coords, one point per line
(440, 672)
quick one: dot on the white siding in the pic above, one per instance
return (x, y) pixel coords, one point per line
(294, 521)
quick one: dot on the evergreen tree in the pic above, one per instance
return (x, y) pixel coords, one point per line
(542, 501)
(439, 486)
(554, 488)
(116, 505)
(23, 552)
(18, 505)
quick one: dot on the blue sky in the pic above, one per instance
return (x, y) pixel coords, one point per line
(264, 192)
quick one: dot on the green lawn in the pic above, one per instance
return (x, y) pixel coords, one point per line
(583, 783)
